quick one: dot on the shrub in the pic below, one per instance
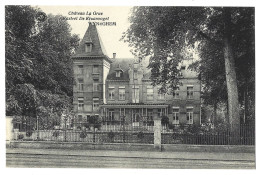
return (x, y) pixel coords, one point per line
(83, 135)
(193, 129)
(140, 135)
(150, 123)
(165, 120)
(86, 125)
(111, 135)
(20, 136)
(56, 133)
(29, 133)
(171, 126)
(178, 138)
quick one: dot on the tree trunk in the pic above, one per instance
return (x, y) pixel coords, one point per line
(226, 117)
(233, 104)
(215, 113)
(246, 99)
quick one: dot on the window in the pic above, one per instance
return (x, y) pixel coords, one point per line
(175, 112)
(95, 87)
(148, 120)
(88, 47)
(149, 92)
(160, 112)
(121, 93)
(135, 64)
(88, 118)
(176, 93)
(189, 92)
(136, 117)
(189, 115)
(95, 69)
(95, 104)
(111, 93)
(111, 114)
(161, 96)
(122, 112)
(81, 85)
(80, 103)
(135, 75)
(150, 114)
(122, 119)
(81, 69)
(80, 118)
(135, 94)
(118, 73)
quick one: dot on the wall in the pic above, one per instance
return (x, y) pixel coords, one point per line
(106, 67)
(116, 84)
(134, 147)
(87, 77)
(182, 102)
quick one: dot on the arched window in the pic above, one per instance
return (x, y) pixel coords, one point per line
(136, 118)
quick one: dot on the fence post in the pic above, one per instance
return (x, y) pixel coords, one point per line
(123, 129)
(65, 137)
(157, 134)
(9, 130)
(37, 127)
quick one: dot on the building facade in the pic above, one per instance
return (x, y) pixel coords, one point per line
(116, 90)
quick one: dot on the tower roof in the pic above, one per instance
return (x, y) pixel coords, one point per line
(91, 36)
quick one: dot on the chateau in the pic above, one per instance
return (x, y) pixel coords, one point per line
(119, 89)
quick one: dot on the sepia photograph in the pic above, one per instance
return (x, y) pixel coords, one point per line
(132, 87)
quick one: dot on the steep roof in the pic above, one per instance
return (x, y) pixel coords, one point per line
(91, 36)
(124, 65)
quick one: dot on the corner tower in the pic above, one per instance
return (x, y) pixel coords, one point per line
(91, 66)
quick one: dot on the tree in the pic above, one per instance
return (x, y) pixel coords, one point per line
(163, 34)
(39, 75)
(211, 64)
(211, 67)
(18, 28)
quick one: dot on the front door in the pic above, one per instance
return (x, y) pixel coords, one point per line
(136, 119)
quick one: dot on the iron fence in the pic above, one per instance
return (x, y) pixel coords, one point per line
(246, 137)
(86, 136)
(128, 131)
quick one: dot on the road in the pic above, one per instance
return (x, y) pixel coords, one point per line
(27, 160)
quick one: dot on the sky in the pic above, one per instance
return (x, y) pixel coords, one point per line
(110, 35)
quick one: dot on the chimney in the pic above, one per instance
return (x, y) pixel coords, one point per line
(114, 55)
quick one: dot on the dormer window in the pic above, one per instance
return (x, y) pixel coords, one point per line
(135, 65)
(118, 73)
(182, 71)
(88, 47)
(135, 75)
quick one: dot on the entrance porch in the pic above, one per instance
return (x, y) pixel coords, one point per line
(129, 117)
